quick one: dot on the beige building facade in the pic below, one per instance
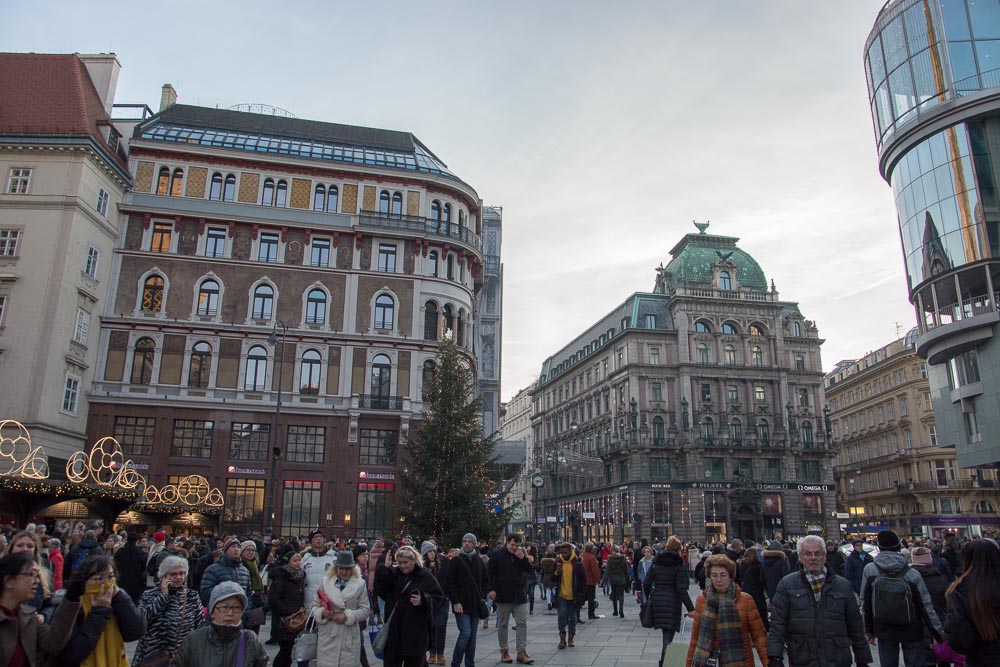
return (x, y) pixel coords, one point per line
(515, 426)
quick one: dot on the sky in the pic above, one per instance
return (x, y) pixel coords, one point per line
(603, 129)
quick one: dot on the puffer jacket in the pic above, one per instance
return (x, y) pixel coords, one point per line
(548, 568)
(754, 634)
(211, 646)
(817, 634)
(224, 569)
(894, 562)
(854, 568)
(775, 568)
(617, 570)
(285, 596)
(666, 587)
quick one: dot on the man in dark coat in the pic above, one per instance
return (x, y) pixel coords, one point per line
(465, 585)
(131, 564)
(666, 587)
(815, 615)
(506, 571)
(834, 558)
(775, 566)
(854, 565)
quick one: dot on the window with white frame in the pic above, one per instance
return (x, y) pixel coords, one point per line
(71, 392)
(387, 258)
(8, 242)
(385, 310)
(215, 242)
(82, 328)
(93, 258)
(319, 252)
(102, 201)
(18, 181)
(268, 249)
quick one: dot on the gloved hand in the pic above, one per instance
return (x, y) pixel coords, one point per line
(75, 590)
(775, 661)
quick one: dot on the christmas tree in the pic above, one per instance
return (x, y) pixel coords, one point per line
(447, 477)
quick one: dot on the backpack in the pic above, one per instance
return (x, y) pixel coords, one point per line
(893, 602)
(79, 558)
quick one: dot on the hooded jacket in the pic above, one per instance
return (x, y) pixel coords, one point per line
(666, 587)
(775, 567)
(893, 562)
(854, 567)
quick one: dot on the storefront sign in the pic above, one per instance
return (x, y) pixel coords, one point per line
(140, 466)
(376, 475)
(711, 485)
(660, 486)
(813, 487)
(589, 515)
(550, 519)
(236, 470)
(772, 487)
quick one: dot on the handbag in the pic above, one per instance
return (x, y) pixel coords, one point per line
(646, 614)
(162, 657)
(305, 646)
(382, 636)
(481, 609)
(294, 622)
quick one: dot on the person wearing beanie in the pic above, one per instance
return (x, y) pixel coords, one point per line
(227, 568)
(895, 619)
(437, 566)
(571, 586)
(854, 565)
(248, 556)
(285, 596)
(465, 586)
(218, 641)
(922, 560)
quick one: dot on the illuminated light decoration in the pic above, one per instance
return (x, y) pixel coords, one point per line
(105, 466)
(191, 491)
(26, 461)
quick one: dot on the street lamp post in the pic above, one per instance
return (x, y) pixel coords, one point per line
(275, 442)
(854, 502)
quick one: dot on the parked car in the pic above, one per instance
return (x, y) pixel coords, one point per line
(871, 549)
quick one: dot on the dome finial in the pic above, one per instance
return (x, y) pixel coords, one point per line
(702, 226)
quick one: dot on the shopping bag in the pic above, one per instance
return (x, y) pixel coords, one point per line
(304, 648)
(374, 627)
(677, 650)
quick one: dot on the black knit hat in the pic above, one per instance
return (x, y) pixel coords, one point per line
(889, 541)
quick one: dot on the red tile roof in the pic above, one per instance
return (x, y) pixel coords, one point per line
(50, 94)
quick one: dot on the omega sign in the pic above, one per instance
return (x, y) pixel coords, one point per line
(813, 487)
(236, 470)
(376, 475)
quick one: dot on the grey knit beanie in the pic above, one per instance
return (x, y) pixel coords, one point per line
(224, 591)
(425, 547)
(470, 536)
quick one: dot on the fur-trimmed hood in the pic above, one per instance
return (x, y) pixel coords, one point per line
(331, 572)
(772, 554)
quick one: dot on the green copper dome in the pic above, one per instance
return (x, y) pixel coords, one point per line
(696, 255)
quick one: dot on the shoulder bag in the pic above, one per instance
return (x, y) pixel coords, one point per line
(379, 642)
(481, 608)
(294, 622)
(161, 657)
(305, 646)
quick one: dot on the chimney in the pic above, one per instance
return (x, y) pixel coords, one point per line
(103, 70)
(169, 97)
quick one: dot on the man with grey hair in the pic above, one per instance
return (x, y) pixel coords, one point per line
(815, 615)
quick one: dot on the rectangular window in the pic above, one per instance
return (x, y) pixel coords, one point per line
(3, 309)
(810, 471)
(192, 438)
(300, 507)
(649, 321)
(71, 391)
(244, 512)
(305, 444)
(374, 516)
(249, 442)
(715, 469)
(659, 469)
(772, 470)
(102, 202)
(812, 504)
(661, 508)
(902, 407)
(8, 242)
(657, 391)
(971, 421)
(654, 355)
(268, 249)
(932, 432)
(758, 394)
(162, 232)
(386, 258)
(743, 467)
(319, 250)
(803, 397)
(963, 369)
(800, 362)
(378, 447)
(215, 242)
(82, 328)
(733, 395)
(623, 471)
(93, 258)
(18, 180)
(135, 435)
(706, 393)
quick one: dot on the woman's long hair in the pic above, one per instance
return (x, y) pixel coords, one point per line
(982, 570)
(42, 566)
(749, 557)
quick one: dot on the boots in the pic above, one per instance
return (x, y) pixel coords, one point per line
(562, 640)
(524, 658)
(505, 656)
(570, 642)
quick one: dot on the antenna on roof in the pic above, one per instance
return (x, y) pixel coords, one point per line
(265, 109)
(899, 327)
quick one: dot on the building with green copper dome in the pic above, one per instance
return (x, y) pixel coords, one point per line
(695, 409)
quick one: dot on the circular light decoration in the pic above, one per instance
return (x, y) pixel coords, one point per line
(15, 446)
(193, 490)
(104, 466)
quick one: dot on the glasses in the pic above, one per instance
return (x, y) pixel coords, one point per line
(229, 608)
(178, 573)
(813, 554)
(34, 574)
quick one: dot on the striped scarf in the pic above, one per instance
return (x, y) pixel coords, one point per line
(816, 582)
(720, 620)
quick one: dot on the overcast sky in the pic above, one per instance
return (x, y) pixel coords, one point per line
(603, 129)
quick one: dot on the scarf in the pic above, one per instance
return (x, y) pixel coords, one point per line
(295, 574)
(720, 621)
(816, 582)
(110, 649)
(255, 583)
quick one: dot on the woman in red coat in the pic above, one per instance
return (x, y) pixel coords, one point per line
(56, 560)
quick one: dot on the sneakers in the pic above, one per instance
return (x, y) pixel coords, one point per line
(524, 658)
(505, 656)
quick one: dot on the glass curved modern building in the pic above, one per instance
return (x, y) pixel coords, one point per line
(933, 72)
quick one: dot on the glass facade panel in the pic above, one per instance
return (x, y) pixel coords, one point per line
(300, 508)
(244, 513)
(374, 510)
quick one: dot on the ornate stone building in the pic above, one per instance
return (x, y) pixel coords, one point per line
(695, 409)
(489, 319)
(278, 292)
(891, 471)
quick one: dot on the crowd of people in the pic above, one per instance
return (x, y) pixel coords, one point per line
(77, 596)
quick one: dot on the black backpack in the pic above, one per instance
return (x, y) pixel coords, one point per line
(893, 599)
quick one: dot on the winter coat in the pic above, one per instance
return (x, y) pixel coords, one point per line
(854, 567)
(894, 562)
(58, 565)
(208, 647)
(88, 629)
(961, 632)
(37, 639)
(774, 566)
(591, 567)
(817, 634)
(937, 584)
(285, 596)
(750, 577)
(169, 619)
(617, 570)
(835, 561)
(409, 630)
(340, 643)
(224, 569)
(666, 587)
(464, 580)
(131, 565)
(86, 547)
(548, 567)
(754, 634)
(505, 574)
(579, 579)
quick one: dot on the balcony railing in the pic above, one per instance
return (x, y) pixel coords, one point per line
(421, 225)
(966, 309)
(739, 295)
(976, 82)
(377, 402)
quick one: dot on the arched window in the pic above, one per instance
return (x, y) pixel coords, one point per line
(807, 434)
(764, 432)
(446, 214)
(796, 328)
(332, 199)
(432, 263)
(701, 327)
(735, 432)
(385, 311)
(659, 433)
(200, 369)
(229, 191)
(430, 321)
(152, 294)
(728, 328)
(267, 198)
(756, 356)
(730, 355)
(708, 430)
(397, 203)
(427, 378)
(756, 330)
(725, 282)
(281, 194)
(381, 384)
(450, 265)
(215, 191)
(461, 218)
(383, 202)
(435, 210)
(702, 353)
(142, 361)
(460, 331)
(316, 307)
(310, 371)
(319, 198)
(985, 507)
(208, 298)
(163, 182)
(449, 318)
(256, 369)
(263, 302)
(176, 182)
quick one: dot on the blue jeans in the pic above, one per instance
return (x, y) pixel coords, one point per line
(567, 615)
(465, 645)
(915, 654)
